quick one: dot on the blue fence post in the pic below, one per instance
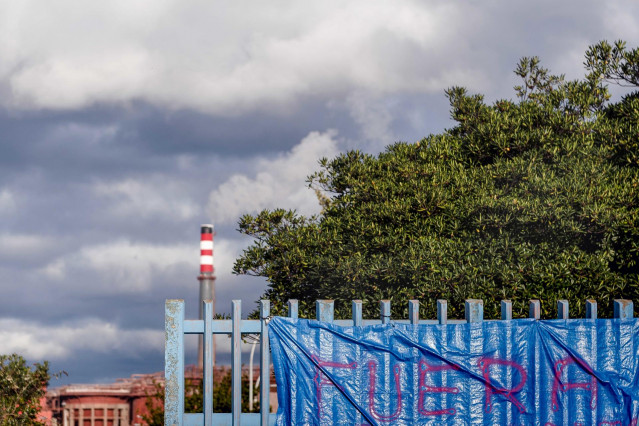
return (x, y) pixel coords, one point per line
(442, 311)
(207, 310)
(562, 309)
(506, 310)
(623, 308)
(324, 310)
(357, 313)
(591, 309)
(293, 308)
(236, 366)
(265, 362)
(413, 311)
(474, 310)
(174, 362)
(384, 311)
(534, 309)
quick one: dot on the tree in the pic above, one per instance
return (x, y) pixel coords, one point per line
(535, 198)
(155, 401)
(193, 398)
(21, 388)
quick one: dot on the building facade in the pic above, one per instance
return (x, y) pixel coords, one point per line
(123, 403)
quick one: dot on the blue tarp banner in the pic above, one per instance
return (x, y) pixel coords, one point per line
(521, 372)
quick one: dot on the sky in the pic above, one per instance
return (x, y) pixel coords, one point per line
(126, 124)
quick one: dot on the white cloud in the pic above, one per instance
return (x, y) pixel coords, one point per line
(153, 197)
(122, 266)
(7, 201)
(373, 119)
(227, 58)
(278, 182)
(125, 266)
(237, 56)
(24, 245)
(225, 253)
(55, 270)
(41, 341)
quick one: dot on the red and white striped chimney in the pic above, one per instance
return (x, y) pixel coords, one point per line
(206, 250)
(207, 280)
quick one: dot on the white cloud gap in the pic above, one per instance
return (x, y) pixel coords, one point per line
(41, 341)
(24, 245)
(278, 182)
(125, 267)
(153, 197)
(7, 201)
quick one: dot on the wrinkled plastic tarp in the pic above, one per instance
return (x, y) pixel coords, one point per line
(521, 372)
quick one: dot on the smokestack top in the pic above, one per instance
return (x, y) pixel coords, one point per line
(206, 250)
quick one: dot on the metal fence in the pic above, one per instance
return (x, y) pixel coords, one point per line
(177, 326)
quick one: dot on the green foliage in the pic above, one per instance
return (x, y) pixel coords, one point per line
(222, 395)
(193, 399)
(530, 199)
(614, 63)
(21, 388)
(155, 406)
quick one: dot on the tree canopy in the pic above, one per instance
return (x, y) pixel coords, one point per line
(533, 198)
(21, 388)
(194, 398)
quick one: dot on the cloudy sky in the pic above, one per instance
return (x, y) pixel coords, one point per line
(125, 124)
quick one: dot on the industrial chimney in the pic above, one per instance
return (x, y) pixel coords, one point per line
(207, 280)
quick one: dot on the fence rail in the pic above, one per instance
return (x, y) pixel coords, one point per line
(177, 327)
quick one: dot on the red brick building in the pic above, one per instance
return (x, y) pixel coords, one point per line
(122, 403)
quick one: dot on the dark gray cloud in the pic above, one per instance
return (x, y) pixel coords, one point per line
(143, 138)
(125, 128)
